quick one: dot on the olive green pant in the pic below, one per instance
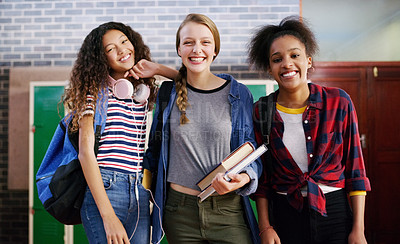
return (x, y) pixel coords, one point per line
(218, 219)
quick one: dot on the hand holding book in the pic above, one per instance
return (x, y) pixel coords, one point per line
(247, 156)
(228, 163)
(236, 181)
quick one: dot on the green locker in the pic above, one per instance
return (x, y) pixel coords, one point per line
(45, 114)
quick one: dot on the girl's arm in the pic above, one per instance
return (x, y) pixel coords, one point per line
(114, 230)
(248, 178)
(146, 69)
(357, 233)
(267, 232)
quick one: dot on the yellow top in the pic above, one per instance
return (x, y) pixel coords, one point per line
(290, 110)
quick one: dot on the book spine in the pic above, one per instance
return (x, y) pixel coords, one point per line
(235, 170)
(221, 167)
(248, 160)
(206, 181)
(206, 193)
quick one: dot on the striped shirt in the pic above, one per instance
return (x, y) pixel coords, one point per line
(121, 146)
(333, 151)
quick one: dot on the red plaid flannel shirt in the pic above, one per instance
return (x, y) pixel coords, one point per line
(333, 150)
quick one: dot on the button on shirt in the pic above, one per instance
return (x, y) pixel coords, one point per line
(333, 149)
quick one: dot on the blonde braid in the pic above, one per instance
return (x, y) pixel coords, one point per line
(182, 99)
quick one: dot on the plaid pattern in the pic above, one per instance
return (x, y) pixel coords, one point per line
(333, 150)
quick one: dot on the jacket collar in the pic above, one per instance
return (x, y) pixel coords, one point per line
(234, 90)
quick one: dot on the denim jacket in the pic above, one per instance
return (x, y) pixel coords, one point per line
(241, 101)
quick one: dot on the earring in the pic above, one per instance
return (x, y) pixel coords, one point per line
(311, 69)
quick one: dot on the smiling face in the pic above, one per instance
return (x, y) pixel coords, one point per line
(289, 63)
(119, 51)
(196, 47)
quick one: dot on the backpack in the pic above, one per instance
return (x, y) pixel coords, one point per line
(60, 182)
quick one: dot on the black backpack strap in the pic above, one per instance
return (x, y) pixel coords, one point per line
(155, 141)
(97, 136)
(74, 138)
(163, 100)
(266, 109)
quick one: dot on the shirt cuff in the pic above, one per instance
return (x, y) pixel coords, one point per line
(357, 193)
(250, 187)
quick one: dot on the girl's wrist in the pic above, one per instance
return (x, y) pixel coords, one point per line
(265, 229)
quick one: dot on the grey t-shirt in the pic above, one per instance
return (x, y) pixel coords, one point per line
(200, 145)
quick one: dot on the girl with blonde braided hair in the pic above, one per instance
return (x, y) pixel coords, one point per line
(180, 80)
(207, 117)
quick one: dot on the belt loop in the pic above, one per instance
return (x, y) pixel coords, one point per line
(140, 175)
(136, 188)
(183, 198)
(214, 202)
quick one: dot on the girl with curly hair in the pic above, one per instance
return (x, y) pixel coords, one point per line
(105, 78)
(316, 164)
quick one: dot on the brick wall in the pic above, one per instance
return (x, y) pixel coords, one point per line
(48, 33)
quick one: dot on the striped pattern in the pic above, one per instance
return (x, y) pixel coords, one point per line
(123, 140)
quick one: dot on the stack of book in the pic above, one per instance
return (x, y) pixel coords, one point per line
(233, 163)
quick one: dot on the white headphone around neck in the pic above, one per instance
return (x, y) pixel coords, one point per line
(123, 89)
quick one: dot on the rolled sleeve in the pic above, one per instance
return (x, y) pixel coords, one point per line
(250, 187)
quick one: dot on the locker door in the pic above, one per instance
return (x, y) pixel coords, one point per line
(45, 114)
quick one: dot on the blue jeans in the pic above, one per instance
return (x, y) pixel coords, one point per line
(121, 191)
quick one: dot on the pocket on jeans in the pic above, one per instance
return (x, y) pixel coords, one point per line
(108, 181)
(143, 191)
(230, 208)
(172, 208)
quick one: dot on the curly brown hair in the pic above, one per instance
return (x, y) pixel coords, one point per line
(90, 71)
